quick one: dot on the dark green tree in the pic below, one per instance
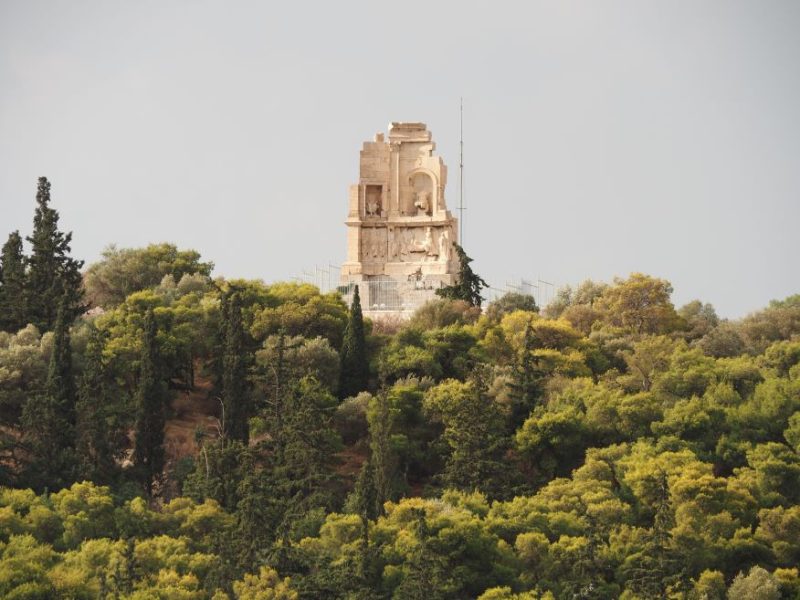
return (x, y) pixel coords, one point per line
(97, 429)
(235, 389)
(526, 380)
(468, 285)
(217, 473)
(48, 418)
(425, 572)
(383, 459)
(52, 272)
(12, 284)
(354, 373)
(304, 452)
(367, 506)
(657, 568)
(474, 431)
(258, 512)
(150, 411)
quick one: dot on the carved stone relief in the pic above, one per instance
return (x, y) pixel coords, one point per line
(373, 244)
(410, 244)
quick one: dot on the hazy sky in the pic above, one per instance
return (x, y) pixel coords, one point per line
(601, 137)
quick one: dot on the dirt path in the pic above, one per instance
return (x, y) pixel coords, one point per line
(191, 410)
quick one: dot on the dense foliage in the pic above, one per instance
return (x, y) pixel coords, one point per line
(608, 446)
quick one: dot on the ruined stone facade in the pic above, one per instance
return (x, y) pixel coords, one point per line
(400, 234)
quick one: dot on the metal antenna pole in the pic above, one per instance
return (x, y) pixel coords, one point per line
(461, 179)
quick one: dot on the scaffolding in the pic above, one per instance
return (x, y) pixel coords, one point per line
(385, 295)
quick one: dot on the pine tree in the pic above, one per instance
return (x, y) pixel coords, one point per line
(235, 393)
(52, 272)
(468, 285)
(48, 418)
(354, 373)
(12, 284)
(150, 411)
(95, 433)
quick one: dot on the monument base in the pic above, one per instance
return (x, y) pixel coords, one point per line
(383, 296)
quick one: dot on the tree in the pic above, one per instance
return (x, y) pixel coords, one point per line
(366, 495)
(127, 270)
(656, 566)
(235, 392)
(150, 411)
(759, 584)
(96, 431)
(305, 446)
(354, 373)
(698, 318)
(49, 418)
(382, 458)
(510, 302)
(283, 358)
(473, 429)
(425, 573)
(52, 273)
(640, 303)
(60, 379)
(267, 585)
(468, 284)
(525, 381)
(12, 284)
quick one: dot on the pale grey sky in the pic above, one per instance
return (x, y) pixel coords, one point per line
(601, 137)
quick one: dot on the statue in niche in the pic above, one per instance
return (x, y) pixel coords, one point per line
(372, 203)
(422, 193)
(444, 245)
(372, 207)
(422, 203)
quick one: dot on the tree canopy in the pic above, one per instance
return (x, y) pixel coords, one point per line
(227, 439)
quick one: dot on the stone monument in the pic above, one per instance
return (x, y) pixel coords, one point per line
(400, 234)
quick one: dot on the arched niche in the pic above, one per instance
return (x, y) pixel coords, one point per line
(424, 192)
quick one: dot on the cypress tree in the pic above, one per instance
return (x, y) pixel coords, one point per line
(382, 457)
(354, 373)
(48, 418)
(60, 380)
(366, 502)
(468, 285)
(425, 571)
(525, 381)
(150, 411)
(235, 396)
(52, 272)
(95, 436)
(12, 284)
